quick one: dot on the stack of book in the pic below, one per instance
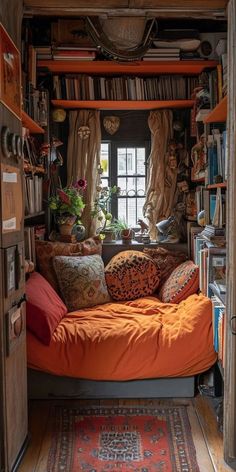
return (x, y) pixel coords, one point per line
(162, 54)
(216, 156)
(218, 322)
(73, 54)
(215, 235)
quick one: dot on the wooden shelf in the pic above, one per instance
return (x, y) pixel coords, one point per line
(123, 104)
(30, 124)
(218, 114)
(34, 215)
(140, 67)
(220, 185)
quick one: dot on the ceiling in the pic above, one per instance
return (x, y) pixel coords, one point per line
(161, 8)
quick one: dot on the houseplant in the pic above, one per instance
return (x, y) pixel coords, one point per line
(123, 230)
(67, 205)
(101, 211)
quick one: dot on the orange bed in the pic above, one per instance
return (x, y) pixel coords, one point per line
(139, 339)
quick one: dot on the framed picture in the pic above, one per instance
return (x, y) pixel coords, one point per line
(10, 74)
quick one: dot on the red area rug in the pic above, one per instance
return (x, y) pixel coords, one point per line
(122, 440)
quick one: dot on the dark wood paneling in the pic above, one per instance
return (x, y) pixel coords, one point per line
(10, 16)
(133, 125)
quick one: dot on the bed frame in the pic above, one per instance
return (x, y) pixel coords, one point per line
(42, 385)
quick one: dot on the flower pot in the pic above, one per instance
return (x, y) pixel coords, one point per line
(127, 235)
(65, 224)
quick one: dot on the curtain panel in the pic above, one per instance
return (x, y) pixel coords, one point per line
(161, 179)
(83, 158)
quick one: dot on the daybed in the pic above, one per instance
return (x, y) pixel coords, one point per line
(142, 347)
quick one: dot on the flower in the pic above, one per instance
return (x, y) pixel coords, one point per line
(68, 201)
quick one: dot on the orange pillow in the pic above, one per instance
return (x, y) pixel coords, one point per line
(47, 250)
(166, 260)
(130, 275)
(182, 282)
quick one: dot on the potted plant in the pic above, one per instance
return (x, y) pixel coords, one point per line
(122, 228)
(101, 211)
(67, 205)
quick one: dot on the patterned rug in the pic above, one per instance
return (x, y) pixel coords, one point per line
(122, 440)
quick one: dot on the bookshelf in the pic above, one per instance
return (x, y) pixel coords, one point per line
(219, 113)
(129, 68)
(122, 104)
(30, 124)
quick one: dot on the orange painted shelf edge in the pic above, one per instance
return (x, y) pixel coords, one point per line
(30, 124)
(123, 104)
(219, 113)
(220, 185)
(141, 67)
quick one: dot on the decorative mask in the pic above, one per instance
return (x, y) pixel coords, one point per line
(111, 124)
(83, 132)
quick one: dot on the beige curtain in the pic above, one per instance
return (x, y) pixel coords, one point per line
(161, 178)
(83, 157)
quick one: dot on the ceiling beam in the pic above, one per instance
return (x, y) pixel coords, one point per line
(149, 8)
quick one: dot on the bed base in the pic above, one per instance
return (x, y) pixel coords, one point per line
(42, 385)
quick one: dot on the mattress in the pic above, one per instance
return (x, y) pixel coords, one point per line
(140, 339)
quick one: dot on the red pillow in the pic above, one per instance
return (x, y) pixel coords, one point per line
(44, 308)
(182, 282)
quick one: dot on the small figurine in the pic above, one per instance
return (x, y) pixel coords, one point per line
(198, 159)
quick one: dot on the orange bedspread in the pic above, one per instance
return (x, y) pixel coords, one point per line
(140, 339)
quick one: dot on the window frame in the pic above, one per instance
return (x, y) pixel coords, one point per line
(113, 175)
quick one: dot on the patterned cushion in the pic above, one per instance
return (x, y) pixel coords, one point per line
(81, 281)
(166, 260)
(130, 275)
(47, 250)
(183, 281)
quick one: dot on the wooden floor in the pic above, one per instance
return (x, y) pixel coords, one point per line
(207, 439)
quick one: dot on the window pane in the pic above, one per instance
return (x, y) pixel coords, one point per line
(104, 159)
(140, 203)
(121, 161)
(140, 186)
(132, 212)
(127, 185)
(131, 161)
(122, 214)
(141, 161)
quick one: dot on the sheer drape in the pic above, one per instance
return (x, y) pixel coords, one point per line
(83, 157)
(161, 180)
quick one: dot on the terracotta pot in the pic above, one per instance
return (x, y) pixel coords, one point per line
(65, 224)
(127, 235)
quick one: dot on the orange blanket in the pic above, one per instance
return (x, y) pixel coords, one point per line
(144, 338)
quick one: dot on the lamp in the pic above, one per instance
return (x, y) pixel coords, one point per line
(168, 230)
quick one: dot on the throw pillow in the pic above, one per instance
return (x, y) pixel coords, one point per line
(81, 281)
(47, 250)
(183, 281)
(130, 275)
(44, 308)
(166, 260)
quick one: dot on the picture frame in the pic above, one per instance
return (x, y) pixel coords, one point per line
(10, 74)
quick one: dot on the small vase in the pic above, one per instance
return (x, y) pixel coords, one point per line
(65, 224)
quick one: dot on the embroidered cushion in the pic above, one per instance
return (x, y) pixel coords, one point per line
(81, 281)
(166, 260)
(183, 281)
(44, 308)
(130, 275)
(47, 250)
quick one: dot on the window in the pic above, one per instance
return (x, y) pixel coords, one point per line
(124, 165)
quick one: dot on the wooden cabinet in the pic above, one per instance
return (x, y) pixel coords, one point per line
(13, 371)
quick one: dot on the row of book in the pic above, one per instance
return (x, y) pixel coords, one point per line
(33, 193)
(217, 157)
(214, 205)
(85, 87)
(218, 324)
(31, 233)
